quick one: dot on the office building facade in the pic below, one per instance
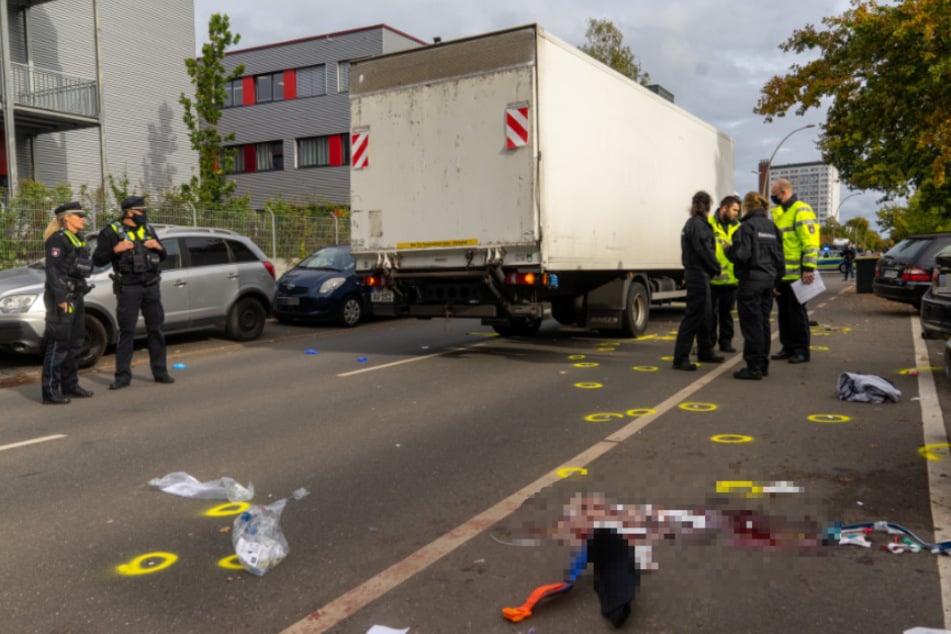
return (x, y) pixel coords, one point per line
(290, 112)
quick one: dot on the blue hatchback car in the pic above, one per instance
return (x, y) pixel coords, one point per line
(323, 287)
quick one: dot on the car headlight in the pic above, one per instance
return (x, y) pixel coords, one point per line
(331, 285)
(17, 303)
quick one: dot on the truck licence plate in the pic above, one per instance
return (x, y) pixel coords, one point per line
(381, 297)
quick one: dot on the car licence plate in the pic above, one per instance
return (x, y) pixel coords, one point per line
(288, 301)
(381, 297)
(890, 273)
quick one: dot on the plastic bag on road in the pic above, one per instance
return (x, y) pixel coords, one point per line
(257, 537)
(186, 486)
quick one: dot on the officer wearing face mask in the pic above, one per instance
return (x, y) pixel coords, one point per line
(134, 250)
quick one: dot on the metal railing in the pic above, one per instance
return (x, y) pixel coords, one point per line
(57, 92)
(284, 237)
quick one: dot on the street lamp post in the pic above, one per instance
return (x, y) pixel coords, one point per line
(836, 214)
(769, 163)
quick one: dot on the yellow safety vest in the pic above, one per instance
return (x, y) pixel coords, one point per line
(723, 237)
(800, 229)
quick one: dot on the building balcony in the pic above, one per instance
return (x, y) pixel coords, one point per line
(49, 101)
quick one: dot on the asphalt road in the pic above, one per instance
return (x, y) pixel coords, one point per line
(430, 449)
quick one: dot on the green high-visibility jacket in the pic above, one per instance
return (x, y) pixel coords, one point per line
(800, 229)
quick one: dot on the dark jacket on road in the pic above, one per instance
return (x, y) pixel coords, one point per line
(757, 249)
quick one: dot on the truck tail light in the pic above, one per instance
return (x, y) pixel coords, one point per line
(520, 279)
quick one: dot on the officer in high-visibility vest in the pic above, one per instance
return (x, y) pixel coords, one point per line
(723, 286)
(800, 230)
(67, 266)
(135, 251)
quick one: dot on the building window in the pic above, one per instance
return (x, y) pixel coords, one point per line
(234, 93)
(312, 81)
(324, 151)
(269, 87)
(258, 157)
(343, 76)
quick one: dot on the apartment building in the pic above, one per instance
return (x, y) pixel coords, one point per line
(290, 112)
(90, 88)
(814, 183)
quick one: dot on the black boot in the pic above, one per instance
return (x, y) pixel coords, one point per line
(54, 398)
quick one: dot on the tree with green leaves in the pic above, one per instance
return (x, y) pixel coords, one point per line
(885, 71)
(605, 43)
(210, 188)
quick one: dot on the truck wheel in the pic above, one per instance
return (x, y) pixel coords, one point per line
(350, 313)
(94, 343)
(636, 311)
(246, 320)
(522, 327)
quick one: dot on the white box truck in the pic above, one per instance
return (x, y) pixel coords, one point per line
(510, 177)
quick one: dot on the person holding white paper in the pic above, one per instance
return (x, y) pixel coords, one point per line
(800, 230)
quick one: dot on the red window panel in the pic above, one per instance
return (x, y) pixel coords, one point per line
(250, 158)
(290, 84)
(335, 148)
(3, 153)
(248, 90)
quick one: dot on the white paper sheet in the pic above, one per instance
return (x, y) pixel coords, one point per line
(805, 292)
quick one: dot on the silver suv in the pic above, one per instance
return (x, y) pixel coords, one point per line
(211, 279)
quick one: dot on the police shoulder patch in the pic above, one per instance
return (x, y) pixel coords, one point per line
(812, 228)
(54, 252)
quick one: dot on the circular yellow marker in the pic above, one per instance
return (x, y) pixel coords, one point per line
(829, 418)
(610, 344)
(588, 386)
(930, 368)
(483, 334)
(820, 333)
(928, 451)
(567, 472)
(586, 364)
(603, 417)
(646, 337)
(731, 439)
(667, 358)
(819, 348)
(576, 357)
(147, 564)
(640, 411)
(697, 407)
(230, 562)
(607, 349)
(645, 368)
(231, 508)
(666, 338)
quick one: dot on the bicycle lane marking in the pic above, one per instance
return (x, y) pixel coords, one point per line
(939, 471)
(352, 601)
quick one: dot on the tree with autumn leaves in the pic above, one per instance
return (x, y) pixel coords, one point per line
(605, 43)
(885, 71)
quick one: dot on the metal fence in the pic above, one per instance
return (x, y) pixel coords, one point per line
(286, 237)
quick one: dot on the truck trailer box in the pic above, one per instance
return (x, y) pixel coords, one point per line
(514, 152)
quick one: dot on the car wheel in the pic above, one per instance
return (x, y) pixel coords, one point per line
(94, 343)
(350, 313)
(246, 320)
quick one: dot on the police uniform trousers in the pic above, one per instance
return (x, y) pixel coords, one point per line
(132, 299)
(793, 321)
(723, 297)
(697, 320)
(615, 574)
(754, 301)
(65, 336)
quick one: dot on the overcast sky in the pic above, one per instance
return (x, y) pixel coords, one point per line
(714, 55)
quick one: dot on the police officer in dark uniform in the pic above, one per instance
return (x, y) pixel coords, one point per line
(67, 266)
(135, 251)
(757, 256)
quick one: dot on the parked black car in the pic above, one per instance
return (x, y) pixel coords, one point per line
(936, 302)
(323, 287)
(903, 274)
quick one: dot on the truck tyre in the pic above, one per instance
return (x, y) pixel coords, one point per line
(350, 313)
(246, 320)
(636, 311)
(94, 344)
(520, 327)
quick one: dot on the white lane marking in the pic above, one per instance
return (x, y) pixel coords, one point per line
(409, 360)
(939, 471)
(31, 442)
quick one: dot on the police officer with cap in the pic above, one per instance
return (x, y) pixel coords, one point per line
(131, 245)
(67, 266)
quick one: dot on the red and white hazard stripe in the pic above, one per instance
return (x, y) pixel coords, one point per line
(516, 127)
(359, 148)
